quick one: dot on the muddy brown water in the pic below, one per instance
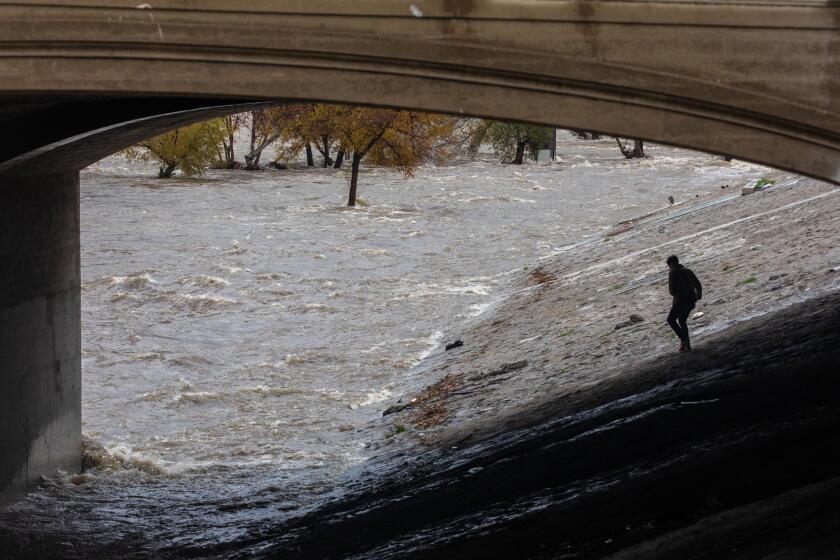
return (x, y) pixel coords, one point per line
(241, 329)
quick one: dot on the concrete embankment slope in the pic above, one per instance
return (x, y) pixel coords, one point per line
(562, 429)
(597, 310)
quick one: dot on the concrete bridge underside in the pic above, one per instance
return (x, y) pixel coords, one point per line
(80, 79)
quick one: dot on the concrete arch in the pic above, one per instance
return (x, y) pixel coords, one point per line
(79, 79)
(758, 81)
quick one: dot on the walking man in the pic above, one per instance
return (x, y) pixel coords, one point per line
(686, 289)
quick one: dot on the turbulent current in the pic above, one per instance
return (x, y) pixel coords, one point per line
(240, 328)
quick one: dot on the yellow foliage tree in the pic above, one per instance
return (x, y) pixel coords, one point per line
(267, 125)
(312, 124)
(191, 149)
(389, 138)
(398, 139)
(230, 124)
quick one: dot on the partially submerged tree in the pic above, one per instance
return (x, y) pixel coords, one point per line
(314, 125)
(636, 151)
(512, 141)
(398, 139)
(191, 149)
(227, 155)
(267, 125)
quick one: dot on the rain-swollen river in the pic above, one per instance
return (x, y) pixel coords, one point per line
(238, 329)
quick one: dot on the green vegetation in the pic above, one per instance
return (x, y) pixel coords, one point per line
(191, 149)
(398, 429)
(565, 333)
(401, 140)
(763, 182)
(511, 141)
(750, 280)
(383, 137)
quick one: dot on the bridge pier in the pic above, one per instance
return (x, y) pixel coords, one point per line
(40, 329)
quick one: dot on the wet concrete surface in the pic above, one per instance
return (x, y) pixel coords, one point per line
(749, 415)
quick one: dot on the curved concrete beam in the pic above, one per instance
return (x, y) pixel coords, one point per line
(758, 81)
(89, 146)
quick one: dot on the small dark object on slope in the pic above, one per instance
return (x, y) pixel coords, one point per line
(399, 407)
(506, 368)
(633, 320)
(455, 344)
(671, 199)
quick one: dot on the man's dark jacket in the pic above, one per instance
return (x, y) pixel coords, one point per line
(684, 286)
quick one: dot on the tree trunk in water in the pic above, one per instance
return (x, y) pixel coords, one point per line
(252, 161)
(230, 157)
(354, 178)
(520, 153)
(586, 135)
(624, 151)
(326, 151)
(167, 170)
(638, 149)
(253, 133)
(339, 159)
(310, 161)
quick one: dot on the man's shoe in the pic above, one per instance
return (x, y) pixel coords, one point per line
(682, 346)
(687, 345)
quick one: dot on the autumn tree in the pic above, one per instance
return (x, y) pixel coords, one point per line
(512, 141)
(267, 126)
(637, 151)
(314, 125)
(396, 139)
(191, 149)
(226, 154)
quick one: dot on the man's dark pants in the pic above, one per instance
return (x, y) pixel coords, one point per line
(678, 318)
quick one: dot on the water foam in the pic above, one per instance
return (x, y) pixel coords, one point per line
(374, 397)
(197, 397)
(203, 302)
(433, 341)
(236, 248)
(206, 281)
(131, 281)
(114, 457)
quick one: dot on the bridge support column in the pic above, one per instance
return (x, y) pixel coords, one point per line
(40, 330)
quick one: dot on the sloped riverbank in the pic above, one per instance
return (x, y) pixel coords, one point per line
(567, 322)
(562, 429)
(675, 454)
